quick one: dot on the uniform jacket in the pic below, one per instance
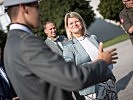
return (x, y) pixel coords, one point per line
(36, 73)
(55, 48)
(126, 18)
(74, 51)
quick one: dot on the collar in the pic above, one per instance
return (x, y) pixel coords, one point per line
(21, 27)
(81, 38)
(55, 39)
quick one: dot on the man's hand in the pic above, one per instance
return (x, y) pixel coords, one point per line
(130, 31)
(15, 98)
(108, 56)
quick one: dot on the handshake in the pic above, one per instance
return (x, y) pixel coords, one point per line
(108, 56)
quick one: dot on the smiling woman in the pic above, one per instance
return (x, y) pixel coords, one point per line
(82, 48)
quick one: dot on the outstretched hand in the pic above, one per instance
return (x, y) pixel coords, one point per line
(108, 56)
(15, 98)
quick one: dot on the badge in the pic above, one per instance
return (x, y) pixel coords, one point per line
(122, 20)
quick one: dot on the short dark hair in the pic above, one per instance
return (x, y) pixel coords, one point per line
(13, 11)
(47, 22)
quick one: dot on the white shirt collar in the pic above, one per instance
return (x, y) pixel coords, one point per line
(21, 27)
(3, 75)
(80, 38)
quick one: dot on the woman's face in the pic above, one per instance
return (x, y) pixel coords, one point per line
(74, 25)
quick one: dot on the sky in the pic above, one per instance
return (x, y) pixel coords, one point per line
(94, 4)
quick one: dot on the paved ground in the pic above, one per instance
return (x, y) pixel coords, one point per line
(123, 70)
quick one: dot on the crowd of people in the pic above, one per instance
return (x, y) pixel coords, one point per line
(60, 68)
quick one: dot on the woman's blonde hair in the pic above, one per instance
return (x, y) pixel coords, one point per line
(74, 15)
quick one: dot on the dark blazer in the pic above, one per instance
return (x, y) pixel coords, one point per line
(5, 87)
(36, 73)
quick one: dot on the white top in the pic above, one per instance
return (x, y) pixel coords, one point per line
(89, 47)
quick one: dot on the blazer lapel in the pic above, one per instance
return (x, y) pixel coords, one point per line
(92, 40)
(81, 53)
(53, 46)
(78, 46)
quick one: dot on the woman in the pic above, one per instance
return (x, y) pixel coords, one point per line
(83, 48)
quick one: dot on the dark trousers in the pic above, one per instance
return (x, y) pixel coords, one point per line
(131, 37)
(78, 96)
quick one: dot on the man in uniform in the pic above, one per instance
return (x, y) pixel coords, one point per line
(36, 72)
(126, 17)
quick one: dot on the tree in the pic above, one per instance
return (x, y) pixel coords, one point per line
(110, 9)
(55, 10)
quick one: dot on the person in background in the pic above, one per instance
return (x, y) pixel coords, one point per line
(126, 17)
(54, 41)
(6, 90)
(82, 48)
(36, 72)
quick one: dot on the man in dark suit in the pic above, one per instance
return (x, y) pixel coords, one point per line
(54, 41)
(6, 90)
(126, 17)
(37, 73)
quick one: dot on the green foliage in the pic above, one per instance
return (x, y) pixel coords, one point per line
(55, 10)
(110, 9)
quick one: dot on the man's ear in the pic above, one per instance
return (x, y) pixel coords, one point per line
(45, 31)
(25, 8)
(124, 3)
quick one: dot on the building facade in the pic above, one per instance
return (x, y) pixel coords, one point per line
(4, 19)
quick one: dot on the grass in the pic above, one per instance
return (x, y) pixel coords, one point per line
(116, 40)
